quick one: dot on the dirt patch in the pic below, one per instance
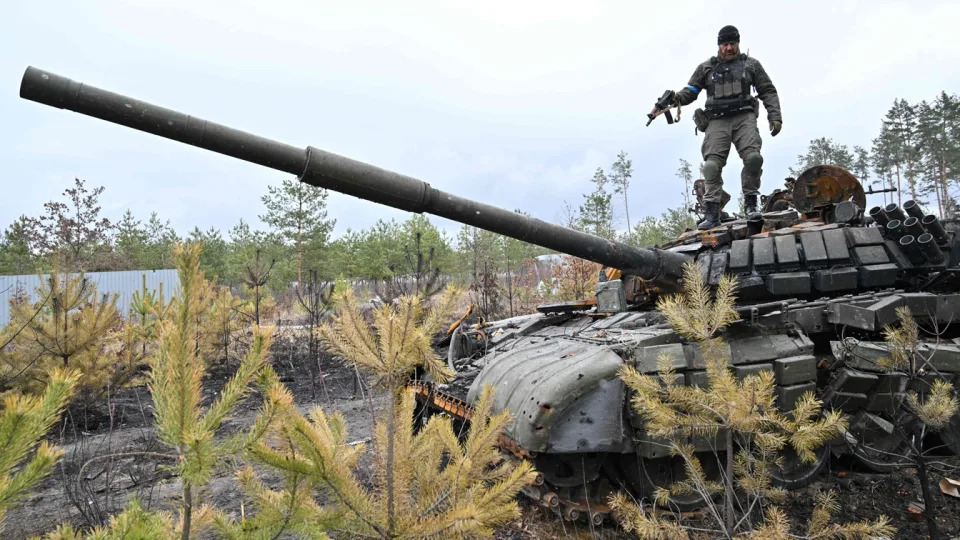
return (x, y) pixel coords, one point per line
(111, 452)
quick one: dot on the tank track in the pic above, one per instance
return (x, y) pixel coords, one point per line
(800, 344)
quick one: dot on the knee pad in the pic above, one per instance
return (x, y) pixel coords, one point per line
(711, 170)
(753, 162)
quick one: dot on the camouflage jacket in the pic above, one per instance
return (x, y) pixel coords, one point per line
(761, 82)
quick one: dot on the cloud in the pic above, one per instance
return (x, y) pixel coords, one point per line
(515, 104)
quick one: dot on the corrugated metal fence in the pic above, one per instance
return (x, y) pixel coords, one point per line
(123, 284)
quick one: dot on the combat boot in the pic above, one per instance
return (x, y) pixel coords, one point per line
(750, 207)
(711, 216)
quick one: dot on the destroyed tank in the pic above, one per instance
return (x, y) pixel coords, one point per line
(819, 278)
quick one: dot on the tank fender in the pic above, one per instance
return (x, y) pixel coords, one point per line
(564, 396)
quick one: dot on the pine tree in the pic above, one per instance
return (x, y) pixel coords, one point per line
(936, 127)
(317, 300)
(160, 241)
(900, 125)
(482, 262)
(685, 173)
(861, 164)
(133, 522)
(16, 252)
(883, 162)
(620, 173)
(70, 326)
(824, 151)
(918, 415)
(24, 419)
(221, 326)
(418, 272)
(131, 241)
(427, 484)
(596, 212)
(256, 277)
(176, 372)
(298, 212)
(213, 258)
(743, 414)
(184, 423)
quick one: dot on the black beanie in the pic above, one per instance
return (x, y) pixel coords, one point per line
(727, 34)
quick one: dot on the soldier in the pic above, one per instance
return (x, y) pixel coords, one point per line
(730, 115)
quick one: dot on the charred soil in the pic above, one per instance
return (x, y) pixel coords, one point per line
(112, 454)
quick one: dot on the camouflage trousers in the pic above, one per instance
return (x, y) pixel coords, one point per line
(741, 130)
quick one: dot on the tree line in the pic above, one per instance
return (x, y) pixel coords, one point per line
(916, 152)
(72, 234)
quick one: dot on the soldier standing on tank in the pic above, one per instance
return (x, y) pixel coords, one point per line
(730, 116)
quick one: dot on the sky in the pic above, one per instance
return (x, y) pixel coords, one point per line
(515, 104)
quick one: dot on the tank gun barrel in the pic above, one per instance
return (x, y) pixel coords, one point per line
(338, 173)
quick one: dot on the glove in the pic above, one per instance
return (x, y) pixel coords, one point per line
(775, 127)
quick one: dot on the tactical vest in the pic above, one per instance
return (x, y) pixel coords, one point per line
(728, 89)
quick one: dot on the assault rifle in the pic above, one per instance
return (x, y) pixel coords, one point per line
(663, 106)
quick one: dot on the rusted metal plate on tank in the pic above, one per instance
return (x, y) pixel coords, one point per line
(836, 279)
(788, 283)
(716, 237)
(763, 254)
(795, 369)
(739, 231)
(740, 256)
(814, 252)
(836, 244)
(826, 184)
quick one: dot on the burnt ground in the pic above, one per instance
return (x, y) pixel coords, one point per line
(123, 429)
